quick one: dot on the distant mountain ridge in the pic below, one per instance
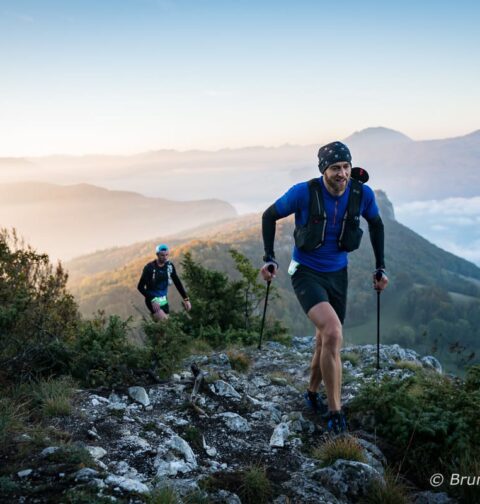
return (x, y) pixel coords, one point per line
(250, 177)
(67, 221)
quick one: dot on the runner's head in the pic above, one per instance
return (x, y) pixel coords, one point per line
(162, 252)
(332, 153)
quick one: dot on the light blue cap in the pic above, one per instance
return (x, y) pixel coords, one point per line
(161, 248)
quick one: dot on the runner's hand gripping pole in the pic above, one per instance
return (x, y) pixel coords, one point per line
(271, 268)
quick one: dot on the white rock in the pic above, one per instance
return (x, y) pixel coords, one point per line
(181, 447)
(24, 473)
(171, 467)
(280, 435)
(86, 474)
(117, 406)
(48, 451)
(127, 484)
(99, 399)
(140, 395)
(96, 452)
(224, 389)
(235, 422)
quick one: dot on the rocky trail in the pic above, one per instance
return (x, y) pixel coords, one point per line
(202, 431)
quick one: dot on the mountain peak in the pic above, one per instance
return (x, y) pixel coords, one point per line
(380, 134)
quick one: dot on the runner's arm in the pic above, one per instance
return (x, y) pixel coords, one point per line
(142, 283)
(269, 218)
(178, 284)
(377, 238)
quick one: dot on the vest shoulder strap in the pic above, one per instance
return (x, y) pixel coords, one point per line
(355, 198)
(317, 207)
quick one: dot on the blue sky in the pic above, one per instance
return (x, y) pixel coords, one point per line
(121, 76)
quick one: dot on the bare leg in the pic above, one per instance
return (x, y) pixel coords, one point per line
(158, 313)
(315, 369)
(329, 328)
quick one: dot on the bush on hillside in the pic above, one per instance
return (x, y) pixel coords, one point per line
(433, 420)
(37, 314)
(226, 311)
(103, 355)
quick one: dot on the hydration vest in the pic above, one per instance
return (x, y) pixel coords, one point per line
(312, 235)
(154, 267)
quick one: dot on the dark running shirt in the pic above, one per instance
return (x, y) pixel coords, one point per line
(154, 280)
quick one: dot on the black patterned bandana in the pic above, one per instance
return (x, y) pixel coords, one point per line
(333, 153)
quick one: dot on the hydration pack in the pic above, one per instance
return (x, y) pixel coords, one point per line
(312, 235)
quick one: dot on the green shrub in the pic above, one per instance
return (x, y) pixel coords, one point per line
(167, 345)
(226, 311)
(255, 487)
(333, 449)
(472, 380)
(102, 354)
(38, 317)
(433, 420)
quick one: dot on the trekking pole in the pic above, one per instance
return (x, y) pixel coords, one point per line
(271, 269)
(378, 276)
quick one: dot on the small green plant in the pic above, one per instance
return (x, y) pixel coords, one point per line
(387, 491)
(333, 449)
(199, 347)
(167, 344)
(255, 487)
(163, 495)
(12, 416)
(53, 396)
(352, 357)
(410, 365)
(239, 361)
(72, 455)
(8, 486)
(472, 381)
(194, 437)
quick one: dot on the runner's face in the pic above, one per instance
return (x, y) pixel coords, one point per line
(162, 256)
(336, 176)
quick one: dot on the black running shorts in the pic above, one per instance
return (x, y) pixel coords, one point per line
(312, 287)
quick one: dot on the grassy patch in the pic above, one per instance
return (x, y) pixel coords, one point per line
(53, 397)
(345, 447)
(390, 491)
(12, 416)
(199, 346)
(351, 357)
(163, 495)
(255, 487)
(239, 361)
(410, 365)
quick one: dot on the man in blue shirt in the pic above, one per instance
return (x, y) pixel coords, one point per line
(319, 269)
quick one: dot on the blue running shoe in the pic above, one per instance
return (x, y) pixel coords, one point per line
(314, 403)
(336, 422)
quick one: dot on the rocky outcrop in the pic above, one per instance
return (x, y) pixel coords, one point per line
(143, 438)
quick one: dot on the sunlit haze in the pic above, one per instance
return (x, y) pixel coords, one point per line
(124, 76)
